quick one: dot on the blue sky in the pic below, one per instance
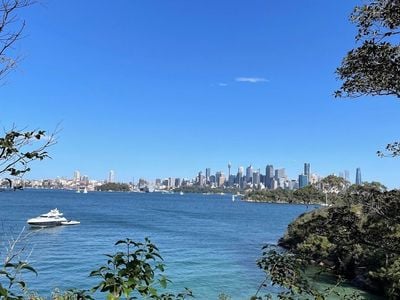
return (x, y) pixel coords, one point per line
(166, 88)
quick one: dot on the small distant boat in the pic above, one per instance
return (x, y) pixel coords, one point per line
(85, 190)
(181, 193)
(233, 198)
(78, 191)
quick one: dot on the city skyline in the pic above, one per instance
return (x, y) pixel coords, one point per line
(217, 83)
(247, 174)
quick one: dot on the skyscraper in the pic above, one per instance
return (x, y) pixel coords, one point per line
(303, 181)
(208, 174)
(231, 180)
(77, 175)
(220, 178)
(200, 178)
(240, 177)
(269, 174)
(256, 178)
(171, 182)
(229, 173)
(249, 174)
(358, 176)
(307, 170)
(178, 182)
(111, 176)
(280, 173)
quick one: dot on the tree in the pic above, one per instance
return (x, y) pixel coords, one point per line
(11, 29)
(334, 184)
(309, 194)
(373, 68)
(135, 272)
(17, 147)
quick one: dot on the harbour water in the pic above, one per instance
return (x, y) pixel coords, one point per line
(209, 243)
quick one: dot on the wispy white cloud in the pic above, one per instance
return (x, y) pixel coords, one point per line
(251, 79)
(222, 84)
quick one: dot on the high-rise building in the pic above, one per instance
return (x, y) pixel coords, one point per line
(208, 174)
(256, 178)
(269, 174)
(85, 180)
(249, 174)
(274, 184)
(177, 182)
(212, 179)
(77, 175)
(200, 179)
(231, 180)
(171, 182)
(303, 181)
(293, 184)
(358, 176)
(143, 183)
(220, 179)
(240, 177)
(347, 175)
(307, 170)
(280, 173)
(111, 176)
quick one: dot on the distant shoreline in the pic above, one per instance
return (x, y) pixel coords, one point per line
(279, 202)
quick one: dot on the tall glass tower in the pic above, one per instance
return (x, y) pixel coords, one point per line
(358, 176)
(269, 175)
(307, 170)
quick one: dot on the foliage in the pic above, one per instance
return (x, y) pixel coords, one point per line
(18, 149)
(134, 272)
(392, 150)
(373, 68)
(205, 189)
(286, 271)
(359, 239)
(275, 196)
(334, 184)
(11, 29)
(11, 272)
(12, 267)
(115, 187)
(307, 195)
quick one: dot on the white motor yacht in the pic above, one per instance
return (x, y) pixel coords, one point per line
(53, 218)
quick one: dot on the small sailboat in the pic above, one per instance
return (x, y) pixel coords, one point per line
(78, 191)
(85, 190)
(181, 193)
(233, 198)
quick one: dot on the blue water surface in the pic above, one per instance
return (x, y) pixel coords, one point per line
(209, 243)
